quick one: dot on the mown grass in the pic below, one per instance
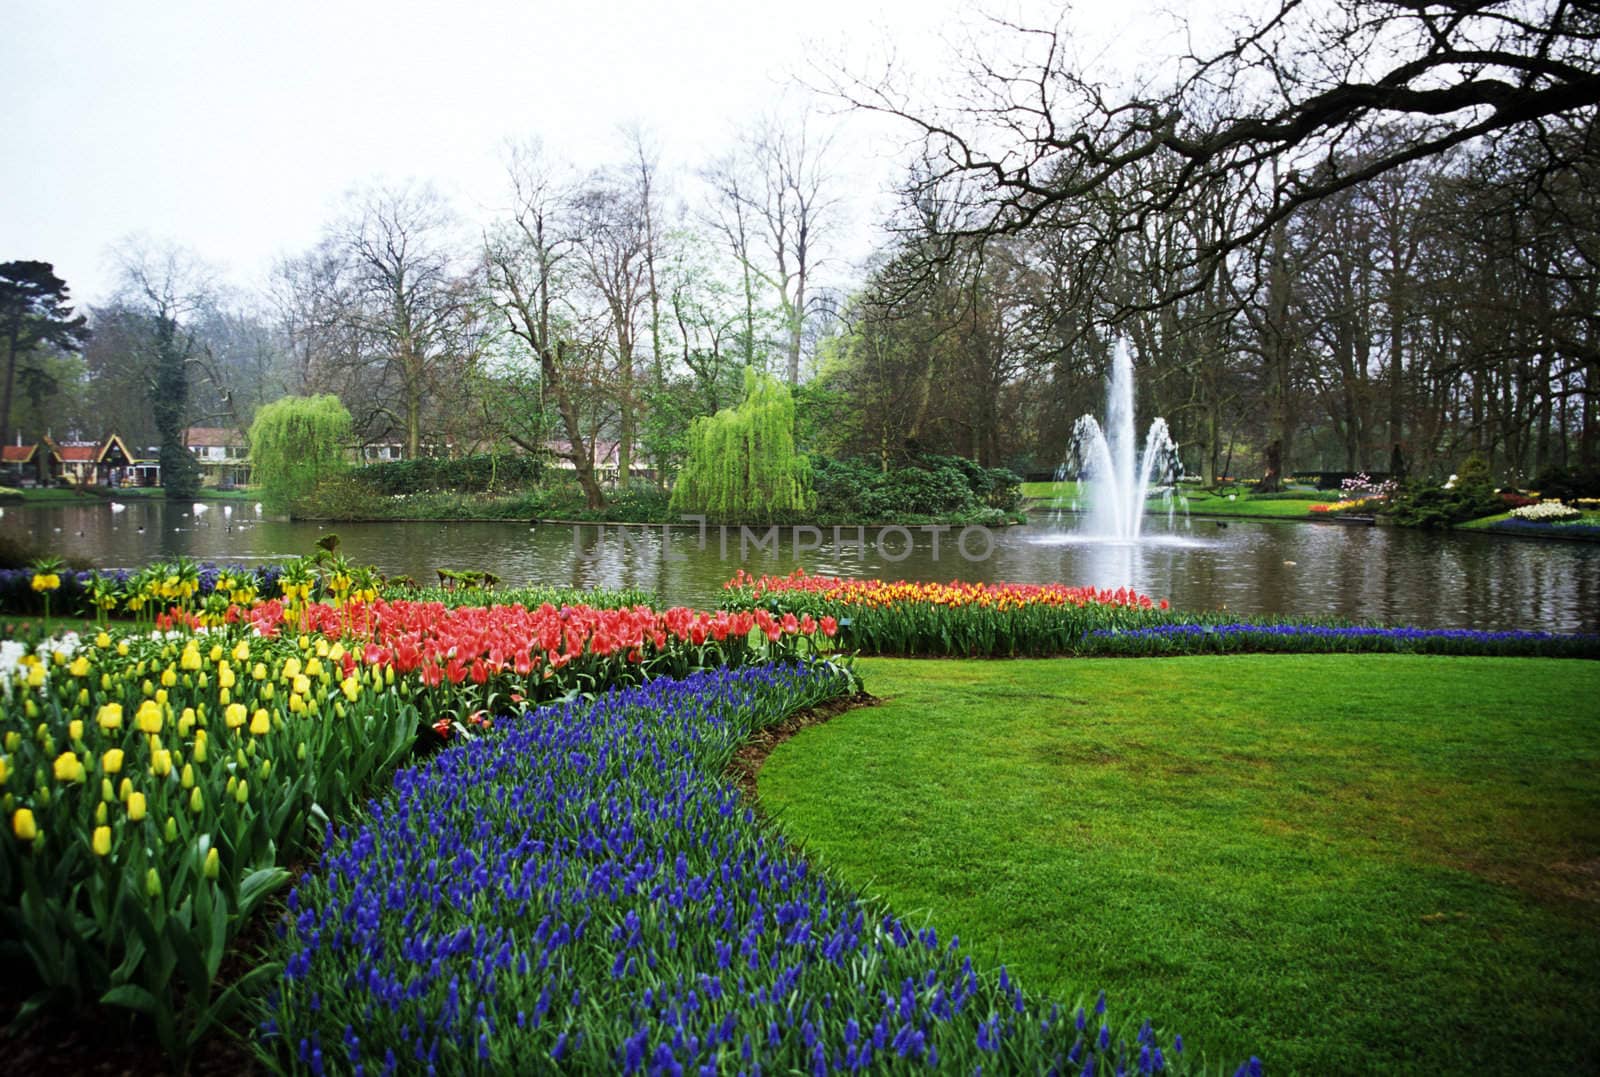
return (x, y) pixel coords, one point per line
(1342, 864)
(1061, 495)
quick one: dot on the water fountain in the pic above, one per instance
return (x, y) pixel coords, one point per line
(1116, 482)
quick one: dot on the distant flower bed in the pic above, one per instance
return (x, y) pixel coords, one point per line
(972, 619)
(1304, 638)
(1545, 512)
(581, 892)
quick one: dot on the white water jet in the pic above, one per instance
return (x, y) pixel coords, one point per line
(1116, 479)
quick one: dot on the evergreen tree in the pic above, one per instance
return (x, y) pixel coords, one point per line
(742, 461)
(33, 312)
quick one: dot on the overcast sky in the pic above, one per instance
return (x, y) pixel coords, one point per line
(235, 129)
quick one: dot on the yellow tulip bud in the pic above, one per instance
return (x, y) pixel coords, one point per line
(200, 746)
(225, 676)
(186, 779)
(266, 768)
(111, 761)
(260, 723)
(186, 721)
(13, 740)
(259, 671)
(100, 812)
(161, 696)
(197, 801)
(80, 666)
(125, 789)
(213, 863)
(152, 883)
(23, 826)
(107, 792)
(5, 768)
(102, 839)
(122, 648)
(161, 763)
(242, 792)
(75, 730)
(102, 640)
(83, 697)
(266, 690)
(216, 652)
(170, 831)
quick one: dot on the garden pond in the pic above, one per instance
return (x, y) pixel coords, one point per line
(1252, 567)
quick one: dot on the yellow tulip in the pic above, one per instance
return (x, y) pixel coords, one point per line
(259, 671)
(242, 793)
(161, 763)
(23, 826)
(235, 715)
(80, 666)
(200, 746)
(197, 802)
(75, 730)
(152, 883)
(102, 640)
(187, 778)
(213, 863)
(351, 688)
(241, 651)
(302, 685)
(260, 723)
(67, 768)
(149, 717)
(111, 762)
(5, 768)
(35, 676)
(225, 675)
(110, 716)
(102, 840)
(169, 677)
(107, 793)
(125, 790)
(216, 652)
(314, 666)
(190, 660)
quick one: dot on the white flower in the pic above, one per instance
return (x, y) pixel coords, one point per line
(1546, 512)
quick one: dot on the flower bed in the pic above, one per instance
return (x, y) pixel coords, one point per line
(1222, 638)
(139, 593)
(153, 785)
(1545, 512)
(970, 619)
(581, 891)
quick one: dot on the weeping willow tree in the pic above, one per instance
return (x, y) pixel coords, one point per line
(297, 442)
(742, 462)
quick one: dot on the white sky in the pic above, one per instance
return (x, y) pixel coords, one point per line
(234, 129)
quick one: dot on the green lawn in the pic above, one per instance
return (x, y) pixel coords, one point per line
(1060, 495)
(1342, 864)
(51, 495)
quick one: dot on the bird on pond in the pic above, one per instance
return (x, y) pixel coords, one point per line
(1291, 562)
(117, 506)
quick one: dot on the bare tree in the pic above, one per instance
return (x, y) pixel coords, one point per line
(776, 190)
(1283, 107)
(526, 259)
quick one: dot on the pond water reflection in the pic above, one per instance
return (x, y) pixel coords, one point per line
(1452, 580)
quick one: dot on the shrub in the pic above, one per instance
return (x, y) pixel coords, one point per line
(931, 486)
(1569, 484)
(469, 474)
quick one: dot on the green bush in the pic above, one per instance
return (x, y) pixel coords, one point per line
(469, 474)
(1568, 484)
(947, 487)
